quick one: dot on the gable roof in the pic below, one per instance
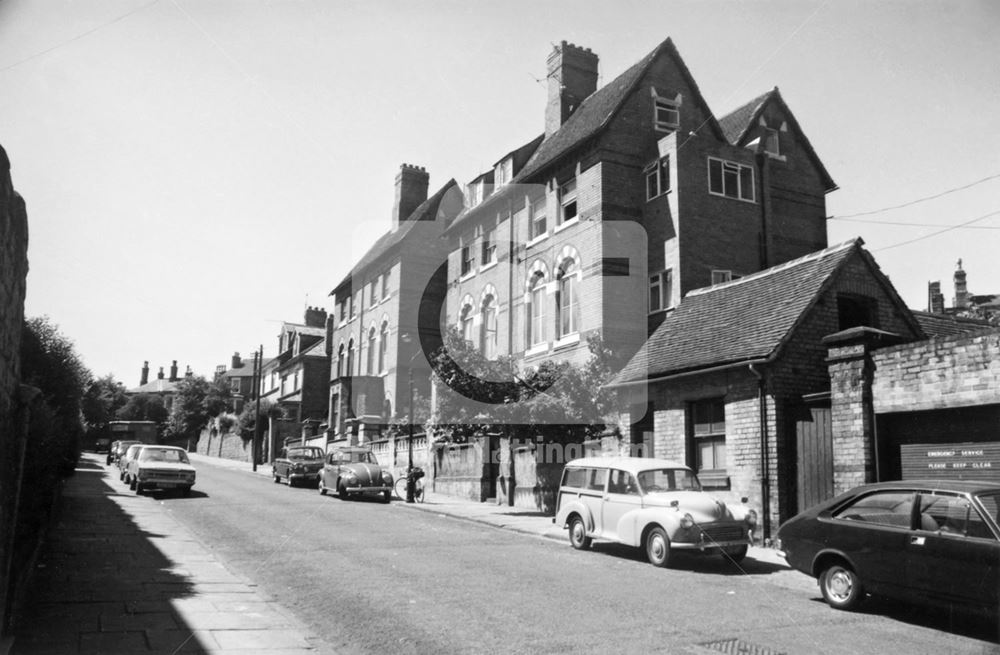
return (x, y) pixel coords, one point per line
(426, 211)
(737, 125)
(596, 111)
(946, 325)
(745, 320)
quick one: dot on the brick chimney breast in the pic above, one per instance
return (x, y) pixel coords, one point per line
(411, 190)
(173, 371)
(159, 376)
(145, 373)
(572, 73)
(236, 362)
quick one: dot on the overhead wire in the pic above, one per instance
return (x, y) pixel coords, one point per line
(918, 200)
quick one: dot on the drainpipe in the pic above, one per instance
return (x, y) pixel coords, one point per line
(765, 208)
(765, 464)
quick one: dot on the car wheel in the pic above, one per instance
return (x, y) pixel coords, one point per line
(138, 489)
(277, 478)
(342, 493)
(321, 487)
(578, 534)
(386, 496)
(841, 587)
(734, 554)
(658, 547)
(132, 484)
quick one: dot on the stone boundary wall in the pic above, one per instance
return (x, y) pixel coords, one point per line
(958, 371)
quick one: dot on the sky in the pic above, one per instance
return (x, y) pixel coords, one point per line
(198, 171)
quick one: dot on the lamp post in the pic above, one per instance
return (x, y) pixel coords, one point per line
(409, 445)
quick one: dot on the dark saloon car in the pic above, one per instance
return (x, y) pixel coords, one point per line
(935, 541)
(298, 464)
(354, 471)
(118, 449)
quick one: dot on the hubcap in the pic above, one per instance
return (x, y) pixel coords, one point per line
(657, 547)
(577, 532)
(840, 585)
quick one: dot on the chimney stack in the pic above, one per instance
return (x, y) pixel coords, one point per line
(173, 371)
(315, 317)
(237, 362)
(411, 190)
(159, 376)
(572, 73)
(145, 374)
(188, 373)
(935, 299)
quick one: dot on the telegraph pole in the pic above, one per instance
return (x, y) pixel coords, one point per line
(257, 356)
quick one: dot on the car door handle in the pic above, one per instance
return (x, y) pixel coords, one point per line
(917, 541)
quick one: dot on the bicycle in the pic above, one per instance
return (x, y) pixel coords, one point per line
(418, 485)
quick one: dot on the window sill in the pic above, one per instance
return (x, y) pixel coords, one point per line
(486, 267)
(568, 224)
(775, 157)
(569, 340)
(537, 350)
(537, 240)
(467, 276)
(722, 195)
(659, 195)
(661, 310)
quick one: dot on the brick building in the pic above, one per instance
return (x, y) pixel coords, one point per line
(735, 382)
(373, 335)
(239, 379)
(634, 195)
(298, 378)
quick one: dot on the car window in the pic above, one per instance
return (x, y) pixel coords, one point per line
(668, 480)
(991, 502)
(622, 482)
(575, 477)
(882, 507)
(596, 478)
(304, 453)
(363, 457)
(163, 455)
(952, 515)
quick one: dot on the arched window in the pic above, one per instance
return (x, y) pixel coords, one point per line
(536, 309)
(372, 345)
(341, 355)
(466, 322)
(488, 327)
(350, 358)
(567, 302)
(383, 346)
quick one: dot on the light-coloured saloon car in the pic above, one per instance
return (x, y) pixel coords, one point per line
(654, 504)
(160, 467)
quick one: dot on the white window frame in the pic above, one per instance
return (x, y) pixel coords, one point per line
(467, 323)
(772, 142)
(731, 170)
(721, 276)
(488, 328)
(536, 217)
(467, 259)
(536, 311)
(568, 201)
(568, 313)
(657, 178)
(488, 250)
(666, 115)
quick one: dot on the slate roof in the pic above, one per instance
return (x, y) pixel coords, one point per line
(736, 126)
(244, 371)
(946, 325)
(743, 320)
(426, 211)
(597, 110)
(156, 386)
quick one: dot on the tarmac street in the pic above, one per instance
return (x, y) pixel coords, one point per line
(247, 566)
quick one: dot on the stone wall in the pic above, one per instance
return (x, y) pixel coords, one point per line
(13, 274)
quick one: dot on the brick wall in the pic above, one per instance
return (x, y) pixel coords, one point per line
(13, 273)
(957, 371)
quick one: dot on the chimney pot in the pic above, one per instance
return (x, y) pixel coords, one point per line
(145, 373)
(159, 376)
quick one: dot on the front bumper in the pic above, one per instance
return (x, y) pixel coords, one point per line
(304, 475)
(358, 489)
(711, 536)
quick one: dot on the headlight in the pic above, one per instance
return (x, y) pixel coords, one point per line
(687, 522)
(751, 518)
(386, 477)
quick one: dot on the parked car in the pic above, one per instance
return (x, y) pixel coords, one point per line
(127, 457)
(160, 467)
(102, 445)
(353, 471)
(925, 541)
(118, 449)
(655, 504)
(298, 464)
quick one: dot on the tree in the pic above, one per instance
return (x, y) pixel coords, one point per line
(101, 402)
(247, 421)
(144, 407)
(189, 414)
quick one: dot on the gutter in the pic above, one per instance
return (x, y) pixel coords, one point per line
(683, 374)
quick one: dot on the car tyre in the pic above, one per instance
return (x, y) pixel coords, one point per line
(138, 489)
(578, 534)
(658, 547)
(321, 487)
(132, 484)
(386, 496)
(841, 587)
(735, 554)
(342, 493)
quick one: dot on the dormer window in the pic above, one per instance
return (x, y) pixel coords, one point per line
(721, 276)
(666, 115)
(475, 193)
(504, 172)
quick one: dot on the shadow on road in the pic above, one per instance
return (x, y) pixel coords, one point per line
(100, 583)
(956, 620)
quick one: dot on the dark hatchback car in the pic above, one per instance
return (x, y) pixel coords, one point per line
(935, 541)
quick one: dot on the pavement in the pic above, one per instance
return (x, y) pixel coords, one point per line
(117, 575)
